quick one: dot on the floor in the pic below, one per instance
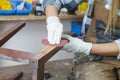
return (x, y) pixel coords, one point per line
(57, 69)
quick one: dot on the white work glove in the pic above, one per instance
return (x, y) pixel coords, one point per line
(76, 45)
(55, 29)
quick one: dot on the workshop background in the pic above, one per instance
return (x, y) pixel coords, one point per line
(29, 38)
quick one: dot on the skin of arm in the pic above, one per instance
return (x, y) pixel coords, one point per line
(51, 11)
(106, 49)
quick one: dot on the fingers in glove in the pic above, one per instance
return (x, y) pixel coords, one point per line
(50, 36)
(58, 34)
(67, 47)
(57, 37)
(49, 33)
(67, 37)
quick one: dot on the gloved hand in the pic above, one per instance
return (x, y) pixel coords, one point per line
(55, 29)
(76, 45)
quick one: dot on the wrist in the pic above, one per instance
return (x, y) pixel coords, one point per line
(52, 19)
(88, 48)
(84, 47)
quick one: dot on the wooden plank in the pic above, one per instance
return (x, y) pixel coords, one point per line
(38, 61)
(9, 33)
(33, 17)
(17, 76)
(14, 55)
(46, 54)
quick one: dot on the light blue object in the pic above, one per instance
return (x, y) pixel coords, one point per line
(76, 27)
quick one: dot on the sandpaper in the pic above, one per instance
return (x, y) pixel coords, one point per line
(62, 43)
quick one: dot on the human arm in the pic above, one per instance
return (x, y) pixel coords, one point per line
(76, 45)
(106, 49)
(51, 11)
(54, 26)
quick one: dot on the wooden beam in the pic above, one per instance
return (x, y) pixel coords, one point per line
(15, 55)
(46, 54)
(9, 33)
(38, 61)
(17, 76)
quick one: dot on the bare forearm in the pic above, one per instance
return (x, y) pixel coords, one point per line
(51, 11)
(107, 49)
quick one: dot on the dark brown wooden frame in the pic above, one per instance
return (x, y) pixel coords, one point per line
(37, 61)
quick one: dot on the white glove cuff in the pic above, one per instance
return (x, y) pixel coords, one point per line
(118, 42)
(51, 19)
(88, 48)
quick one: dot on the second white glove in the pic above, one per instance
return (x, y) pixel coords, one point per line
(76, 45)
(55, 29)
